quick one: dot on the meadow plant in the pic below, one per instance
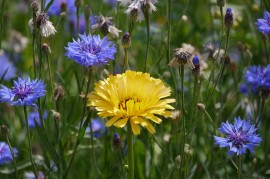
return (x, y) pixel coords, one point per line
(134, 89)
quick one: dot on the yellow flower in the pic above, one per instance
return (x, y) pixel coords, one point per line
(132, 96)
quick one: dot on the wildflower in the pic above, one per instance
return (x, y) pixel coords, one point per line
(7, 69)
(181, 56)
(34, 116)
(137, 7)
(196, 63)
(124, 99)
(42, 21)
(5, 153)
(24, 93)
(91, 50)
(97, 126)
(59, 6)
(239, 137)
(228, 19)
(263, 25)
(106, 26)
(257, 80)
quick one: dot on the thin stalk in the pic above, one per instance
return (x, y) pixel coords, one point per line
(239, 167)
(261, 106)
(13, 156)
(39, 47)
(221, 69)
(90, 73)
(181, 71)
(146, 16)
(195, 97)
(130, 152)
(78, 19)
(266, 50)
(2, 22)
(126, 59)
(29, 142)
(33, 53)
(50, 76)
(169, 29)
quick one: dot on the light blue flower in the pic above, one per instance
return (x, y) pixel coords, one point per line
(91, 50)
(61, 5)
(34, 115)
(5, 153)
(263, 25)
(6, 68)
(24, 93)
(238, 137)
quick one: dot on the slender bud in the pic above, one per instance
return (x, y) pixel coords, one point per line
(196, 62)
(201, 106)
(117, 141)
(63, 7)
(87, 12)
(220, 3)
(228, 19)
(59, 92)
(126, 40)
(4, 130)
(56, 115)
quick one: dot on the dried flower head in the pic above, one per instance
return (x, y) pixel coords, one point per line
(181, 56)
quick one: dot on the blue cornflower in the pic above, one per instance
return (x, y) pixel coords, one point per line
(91, 50)
(24, 93)
(239, 137)
(97, 126)
(263, 25)
(59, 6)
(34, 115)
(6, 68)
(5, 153)
(257, 79)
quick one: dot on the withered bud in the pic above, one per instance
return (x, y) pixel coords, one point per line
(227, 60)
(105, 74)
(166, 74)
(56, 115)
(201, 106)
(126, 40)
(35, 6)
(220, 3)
(177, 161)
(59, 92)
(181, 56)
(63, 7)
(254, 161)
(4, 130)
(46, 49)
(176, 115)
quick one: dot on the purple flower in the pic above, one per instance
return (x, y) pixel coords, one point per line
(24, 93)
(91, 50)
(239, 137)
(7, 69)
(59, 6)
(5, 153)
(34, 115)
(31, 175)
(97, 126)
(263, 25)
(257, 79)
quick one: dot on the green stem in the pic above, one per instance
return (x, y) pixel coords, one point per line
(90, 73)
(239, 167)
(181, 71)
(126, 59)
(130, 152)
(29, 142)
(13, 156)
(78, 19)
(146, 16)
(195, 97)
(169, 30)
(50, 76)
(33, 52)
(261, 106)
(266, 49)
(2, 22)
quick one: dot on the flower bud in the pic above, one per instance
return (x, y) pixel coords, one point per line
(35, 6)
(117, 141)
(126, 40)
(228, 19)
(176, 115)
(4, 130)
(87, 12)
(46, 49)
(56, 115)
(220, 3)
(177, 161)
(63, 7)
(196, 63)
(78, 3)
(201, 106)
(58, 92)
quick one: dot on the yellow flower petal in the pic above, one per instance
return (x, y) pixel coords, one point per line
(121, 122)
